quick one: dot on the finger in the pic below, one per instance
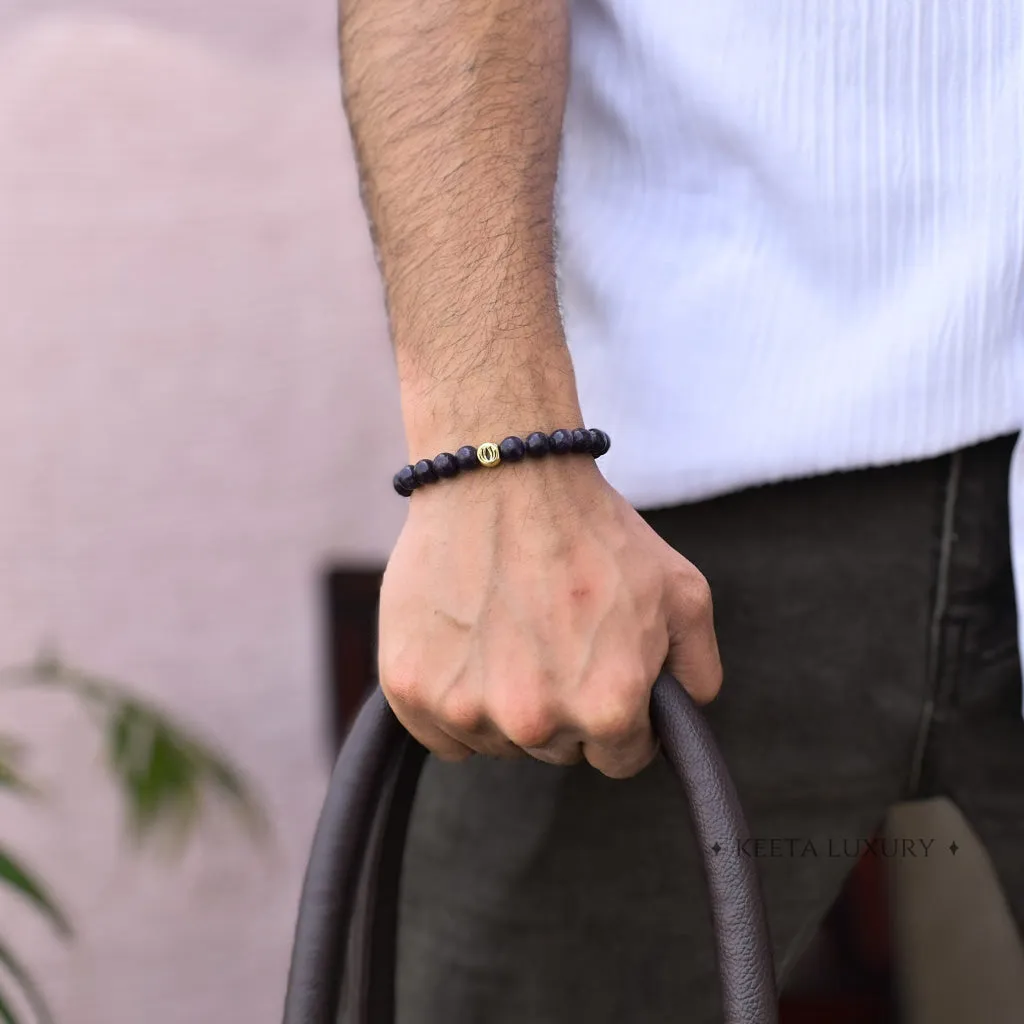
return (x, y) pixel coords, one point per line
(625, 758)
(565, 753)
(482, 738)
(410, 704)
(693, 656)
(460, 714)
(531, 722)
(438, 742)
(509, 753)
(490, 743)
(456, 718)
(616, 727)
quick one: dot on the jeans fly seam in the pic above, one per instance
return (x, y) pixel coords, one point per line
(937, 618)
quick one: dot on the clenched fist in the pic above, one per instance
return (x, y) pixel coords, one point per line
(530, 609)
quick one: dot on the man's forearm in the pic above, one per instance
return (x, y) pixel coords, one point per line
(456, 108)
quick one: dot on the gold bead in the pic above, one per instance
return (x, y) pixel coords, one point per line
(488, 454)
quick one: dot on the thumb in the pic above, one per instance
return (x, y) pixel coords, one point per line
(693, 657)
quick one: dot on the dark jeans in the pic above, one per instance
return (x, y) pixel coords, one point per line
(868, 634)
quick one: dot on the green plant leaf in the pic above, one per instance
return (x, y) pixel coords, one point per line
(163, 771)
(33, 996)
(19, 878)
(6, 1013)
(10, 775)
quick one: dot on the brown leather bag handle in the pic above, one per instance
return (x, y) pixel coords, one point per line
(361, 833)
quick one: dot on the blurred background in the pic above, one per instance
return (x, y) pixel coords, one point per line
(200, 421)
(198, 414)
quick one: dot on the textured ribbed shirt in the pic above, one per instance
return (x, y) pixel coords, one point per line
(791, 237)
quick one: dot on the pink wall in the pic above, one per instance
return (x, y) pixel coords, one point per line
(197, 409)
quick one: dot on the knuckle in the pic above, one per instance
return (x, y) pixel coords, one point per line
(402, 689)
(697, 598)
(529, 724)
(460, 711)
(614, 719)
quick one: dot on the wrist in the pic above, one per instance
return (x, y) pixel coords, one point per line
(551, 479)
(477, 460)
(428, 437)
(442, 417)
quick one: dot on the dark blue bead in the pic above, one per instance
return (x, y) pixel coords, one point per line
(600, 442)
(425, 472)
(512, 449)
(561, 441)
(537, 444)
(581, 440)
(466, 457)
(405, 481)
(445, 465)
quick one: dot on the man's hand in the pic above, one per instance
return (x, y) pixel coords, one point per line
(530, 608)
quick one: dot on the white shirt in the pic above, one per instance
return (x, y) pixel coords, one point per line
(791, 237)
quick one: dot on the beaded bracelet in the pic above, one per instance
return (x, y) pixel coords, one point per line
(581, 440)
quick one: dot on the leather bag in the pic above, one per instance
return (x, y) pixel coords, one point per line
(348, 911)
